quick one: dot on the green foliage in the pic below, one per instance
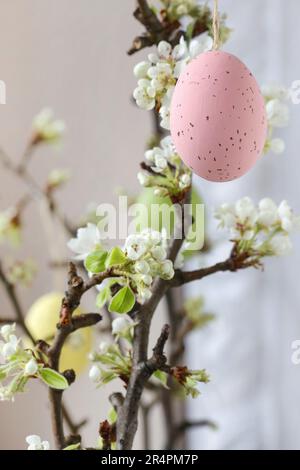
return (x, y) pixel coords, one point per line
(116, 257)
(53, 379)
(194, 310)
(123, 301)
(95, 262)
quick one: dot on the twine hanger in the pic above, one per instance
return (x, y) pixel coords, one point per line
(216, 25)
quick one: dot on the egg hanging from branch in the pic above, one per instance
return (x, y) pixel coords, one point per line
(218, 117)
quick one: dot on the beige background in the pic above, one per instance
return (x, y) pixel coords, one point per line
(71, 55)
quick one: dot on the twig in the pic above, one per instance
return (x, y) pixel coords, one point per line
(127, 417)
(232, 264)
(12, 295)
(127, 422)
(5, 321)
(35, 190)
(67, 325)
(184, 426)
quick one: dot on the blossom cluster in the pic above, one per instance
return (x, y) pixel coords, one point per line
(22, 272)
(109, 363)
(278, 114)
(177, 9)
(132, 269)
(262, 230)
(19, 364)
(158, 75)
(35, 443)
(57, 178)
(165, 171)
(46, 128)
(10, 229)
(192, 16)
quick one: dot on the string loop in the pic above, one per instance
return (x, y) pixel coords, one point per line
(216, 25)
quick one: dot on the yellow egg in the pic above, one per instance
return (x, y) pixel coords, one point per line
(42, 319)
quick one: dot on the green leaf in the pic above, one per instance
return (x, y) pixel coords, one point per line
(123, 301)
(190, 30)
(162, 377)
(95, 262)
(112, 416)
(53, 379)
(73, 447)
(115, 257)
(102, 297)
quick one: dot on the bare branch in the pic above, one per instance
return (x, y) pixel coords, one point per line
(184, 426)
(36, 191)
(127, 417)
(234, 263)
(12, 295)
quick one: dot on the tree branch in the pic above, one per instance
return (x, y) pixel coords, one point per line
(234, 263)
(12, 295)
(127, 417)
(183, 427)
(36, 191)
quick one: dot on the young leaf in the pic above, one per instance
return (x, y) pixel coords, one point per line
(162, 377)
(112, 416)
(115, 257)
(123, 301)
(73, 447)
(95, 262)
(53, 379)
(102, 297)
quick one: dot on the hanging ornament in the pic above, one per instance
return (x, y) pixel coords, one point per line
(218, 116)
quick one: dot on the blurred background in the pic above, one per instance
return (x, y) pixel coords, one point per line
(71, 55)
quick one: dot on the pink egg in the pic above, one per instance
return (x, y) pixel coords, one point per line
(218, 117)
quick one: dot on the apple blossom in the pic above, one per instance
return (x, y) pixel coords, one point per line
(36, 443)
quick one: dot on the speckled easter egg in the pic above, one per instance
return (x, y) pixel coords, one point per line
(218, 117)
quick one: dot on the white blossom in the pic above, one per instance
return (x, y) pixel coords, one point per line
(144, 94)
(121, 325)
(7, 330)
(281, 245)
(147, 279)
(159, 253)
(167, 270)
(262, 230)
(141, 69)
(9, 226)
(31, 367)
(11, 347)
(275, 91)
(277, 146)
(185, 181)
(276, 98)
(88, 240)
(277, 113)
(135, 246)
(245, 210)
(144, 178)
(103, 347)
(144, 294)
(94, 373)
(226, 215)
(46, 127)
(157, 77)
(142, 267)
(268, 212)
(36, 443)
